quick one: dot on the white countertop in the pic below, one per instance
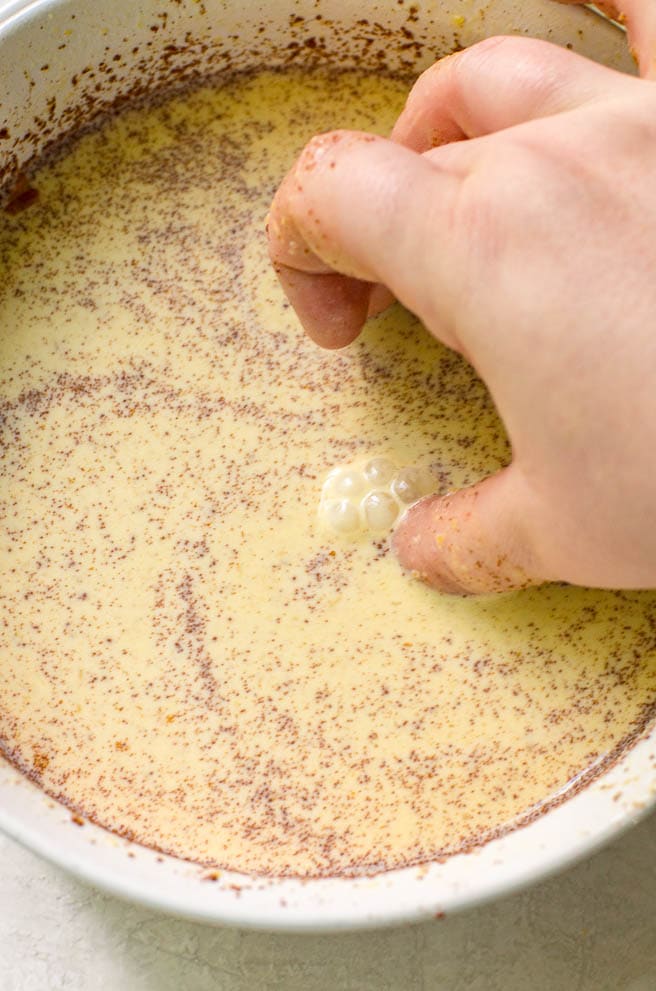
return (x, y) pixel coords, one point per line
(591, 929)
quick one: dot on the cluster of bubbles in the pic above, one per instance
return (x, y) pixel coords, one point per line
(367, 498)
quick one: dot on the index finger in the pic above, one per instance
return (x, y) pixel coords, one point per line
(358, 206)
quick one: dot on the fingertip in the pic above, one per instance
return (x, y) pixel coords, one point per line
(472, 541)
(425, 552)
(332, 308)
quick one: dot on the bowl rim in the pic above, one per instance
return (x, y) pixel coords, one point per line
(604, 809)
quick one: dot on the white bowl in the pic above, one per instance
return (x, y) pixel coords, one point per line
(88, 54)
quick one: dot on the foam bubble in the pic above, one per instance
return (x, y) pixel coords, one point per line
(379, 471)
(346, 482)
(380, 510)
(341, 516)
(366, 498)
(411, 484)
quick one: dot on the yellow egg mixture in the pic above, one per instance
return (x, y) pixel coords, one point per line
(186, 656)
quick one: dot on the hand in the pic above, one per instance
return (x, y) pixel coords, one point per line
(514, 211)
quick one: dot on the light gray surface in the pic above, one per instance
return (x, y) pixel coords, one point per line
(592, 929)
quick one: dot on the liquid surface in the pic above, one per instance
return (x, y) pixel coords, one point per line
(185, 655)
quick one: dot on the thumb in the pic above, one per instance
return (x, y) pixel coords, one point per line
(475, 540)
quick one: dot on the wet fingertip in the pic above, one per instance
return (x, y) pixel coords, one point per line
(331, 308)
(418, 549)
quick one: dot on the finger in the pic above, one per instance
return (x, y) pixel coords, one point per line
(639, 16)
(473, 541)
(499, 83)
(332, 308)
(366, 208)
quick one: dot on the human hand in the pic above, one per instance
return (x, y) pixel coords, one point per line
(514, 212)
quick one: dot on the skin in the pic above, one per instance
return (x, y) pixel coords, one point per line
(514, 211)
